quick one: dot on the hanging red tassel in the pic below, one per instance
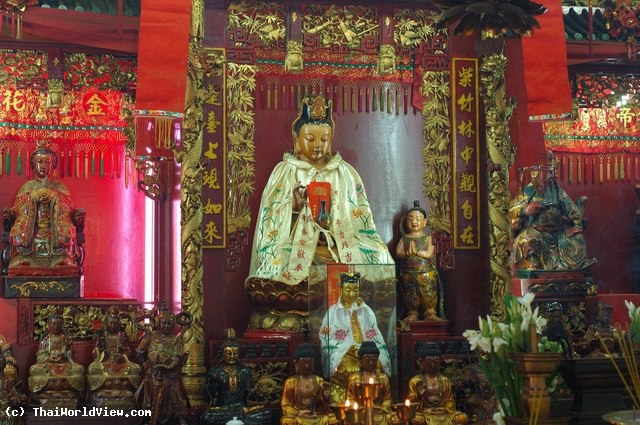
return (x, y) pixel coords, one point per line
(112, 168)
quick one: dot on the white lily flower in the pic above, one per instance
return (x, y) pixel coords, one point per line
(485, 344)
(634, 312)
(526, 299)
(473, 337)
(489, 323)
(540, 322)
(526, 320)
(497, 342)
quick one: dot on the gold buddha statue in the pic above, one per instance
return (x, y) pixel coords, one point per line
(45, 229)
(112, 378)
(56, 380)
(306, 396)
(432, 391)
(369, 373)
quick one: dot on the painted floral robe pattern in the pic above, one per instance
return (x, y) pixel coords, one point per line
(284, 250)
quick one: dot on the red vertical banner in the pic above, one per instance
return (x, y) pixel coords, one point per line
(466, 161)
(163, 49)
(545, 67)
(214, 153)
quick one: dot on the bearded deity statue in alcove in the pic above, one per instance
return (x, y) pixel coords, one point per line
(546, 224)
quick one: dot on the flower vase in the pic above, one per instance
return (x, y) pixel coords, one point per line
(536, 368)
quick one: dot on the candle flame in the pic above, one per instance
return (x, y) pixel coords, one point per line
(347, 403)
(407, 403)
(355, 406)
(371, 380)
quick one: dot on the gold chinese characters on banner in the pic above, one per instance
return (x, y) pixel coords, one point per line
(466, 143)
(214, 232)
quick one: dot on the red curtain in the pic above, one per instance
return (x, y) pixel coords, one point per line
(99, 30)
(545, 66)
(162, 54)
(163, 50)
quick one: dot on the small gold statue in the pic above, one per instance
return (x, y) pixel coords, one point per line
(293, 61)
(56, 380)
(112, 378)
(432, 391)
(56, 93)
(419, 280)
(305, 396)
(368, 354)
(387, 60)
(162, 389)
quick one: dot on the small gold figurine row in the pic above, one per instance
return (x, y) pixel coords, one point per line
(306, 397)
(112, 379)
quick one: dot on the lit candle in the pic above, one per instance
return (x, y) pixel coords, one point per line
(355, 405)
(347, 403)
(407, 403)
(371, 380)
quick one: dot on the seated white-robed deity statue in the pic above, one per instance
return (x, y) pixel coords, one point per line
(314, 210)
(345, 326)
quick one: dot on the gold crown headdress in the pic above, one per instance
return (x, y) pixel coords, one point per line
(313, 110)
